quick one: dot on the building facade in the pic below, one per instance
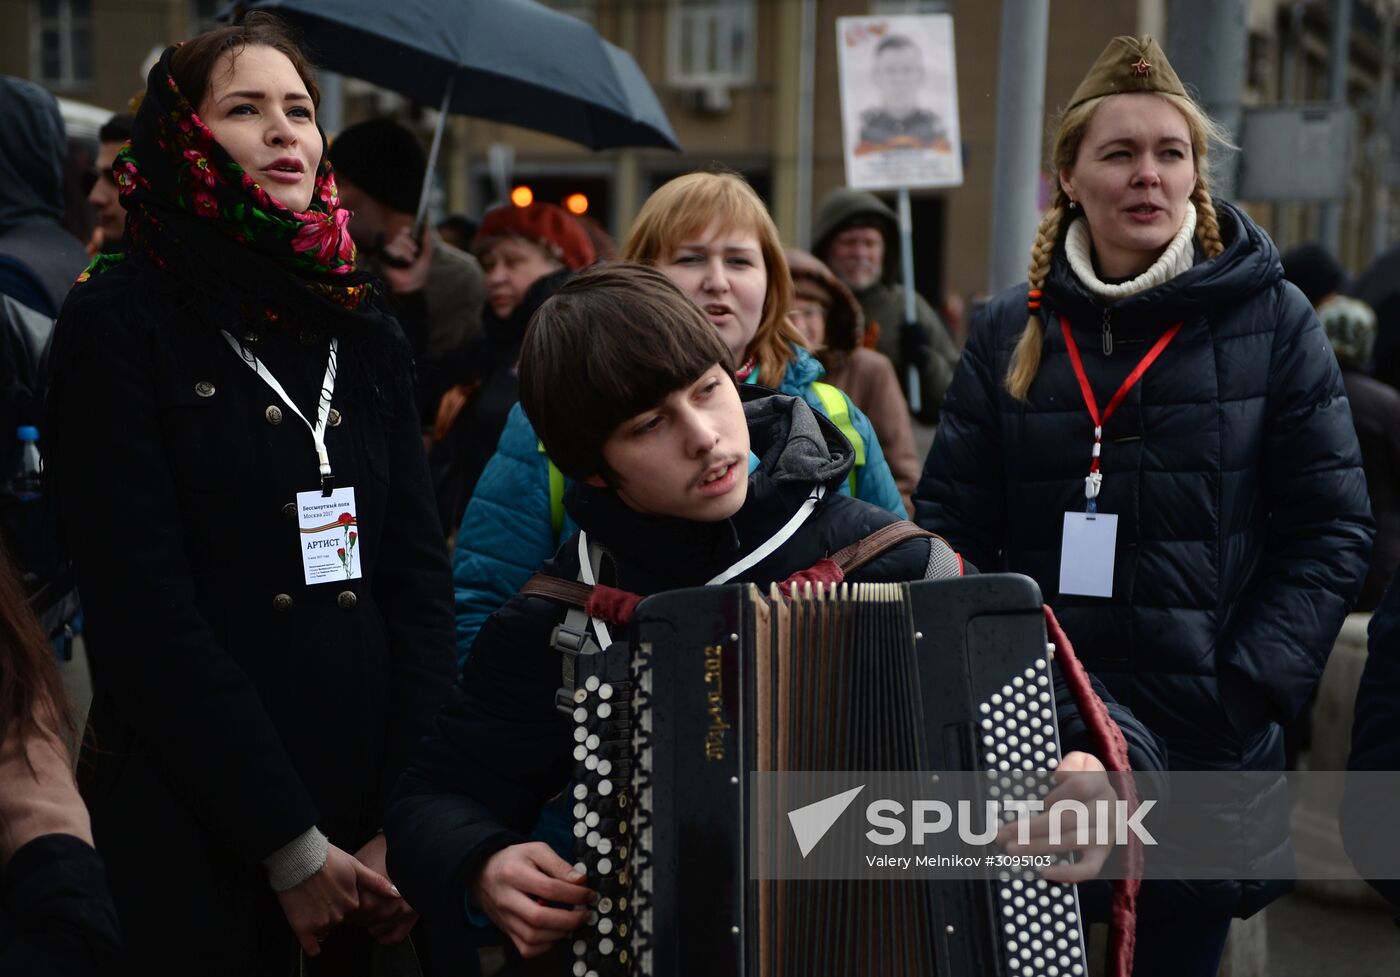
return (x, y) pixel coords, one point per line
(729, 74)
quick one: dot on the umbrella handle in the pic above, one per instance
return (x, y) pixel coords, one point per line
(421, 217)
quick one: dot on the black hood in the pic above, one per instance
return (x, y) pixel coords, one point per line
(32, 153)
(796, 447)
(1249, 265)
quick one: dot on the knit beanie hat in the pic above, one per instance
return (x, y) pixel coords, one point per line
(1350, 325)
(1127, 65)
(1313, 269)
(547, 225)
(384, 160)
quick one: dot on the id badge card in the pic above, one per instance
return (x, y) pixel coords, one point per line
(1086, 554)
(330, 536)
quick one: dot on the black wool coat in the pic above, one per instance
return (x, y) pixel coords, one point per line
(237, 706)
(56, 918)
(1243, 523)
(500, 748)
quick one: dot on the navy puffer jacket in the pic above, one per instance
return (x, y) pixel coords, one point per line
(1244, 528)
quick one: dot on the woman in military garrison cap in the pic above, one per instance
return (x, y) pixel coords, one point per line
(1226, 459)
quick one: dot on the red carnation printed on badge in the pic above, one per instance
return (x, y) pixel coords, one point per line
(340, 553)
(346, 518)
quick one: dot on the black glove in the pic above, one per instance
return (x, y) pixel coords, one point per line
(914, 346)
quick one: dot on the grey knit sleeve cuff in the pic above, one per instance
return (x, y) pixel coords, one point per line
(297, 860)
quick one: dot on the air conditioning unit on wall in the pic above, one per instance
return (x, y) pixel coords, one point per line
(709, 100)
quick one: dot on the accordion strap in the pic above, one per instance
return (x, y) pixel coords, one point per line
(616, 606)
(862, 551)
(1112, 748)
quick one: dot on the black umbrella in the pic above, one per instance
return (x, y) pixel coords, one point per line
(513, 61)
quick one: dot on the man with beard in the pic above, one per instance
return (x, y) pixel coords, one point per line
(852, 235)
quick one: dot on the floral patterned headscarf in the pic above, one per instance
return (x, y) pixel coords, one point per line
(178, 184)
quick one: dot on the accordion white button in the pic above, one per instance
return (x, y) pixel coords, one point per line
(580, 829)
(580, 810)
(591, 819)
(604, 711)
(592, 838)
(604, 846)
(605, 926)
(605, 787)
(580, 792)
(604, 866)
(605, 691)
(580, 948)
(592, 742)
(580, 752)
(591, 762)
(580, 696)
(580, 715)
(591, 683)
(604, 767)
(580, 969)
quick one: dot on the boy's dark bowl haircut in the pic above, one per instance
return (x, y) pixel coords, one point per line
(614, 341)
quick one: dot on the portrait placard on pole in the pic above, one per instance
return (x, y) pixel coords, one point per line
(899, 101)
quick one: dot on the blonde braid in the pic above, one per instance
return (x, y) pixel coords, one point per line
(1025, 362)
(1207, 223)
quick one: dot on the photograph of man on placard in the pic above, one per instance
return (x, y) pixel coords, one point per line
(899, 102)
(899, 121)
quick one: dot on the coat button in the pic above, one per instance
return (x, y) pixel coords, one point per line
(204, 388)
(347, 599)
(333, 418)
(273, 414)
(290, 510)
(282, 602)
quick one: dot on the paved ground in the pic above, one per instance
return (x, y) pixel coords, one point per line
(1307, 938)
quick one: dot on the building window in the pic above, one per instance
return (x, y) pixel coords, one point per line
(911, 6)
(61, 42)
(711, 43)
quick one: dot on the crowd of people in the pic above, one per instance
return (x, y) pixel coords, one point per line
(313, 737)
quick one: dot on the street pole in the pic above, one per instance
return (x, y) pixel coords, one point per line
(806, 88)
(1208, 43)
(1025, 26)
(1293, 56)
(1337, 95)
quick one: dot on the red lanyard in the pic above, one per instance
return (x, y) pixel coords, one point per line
(1095, 479)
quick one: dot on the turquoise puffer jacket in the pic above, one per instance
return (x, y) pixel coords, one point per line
(507, 532)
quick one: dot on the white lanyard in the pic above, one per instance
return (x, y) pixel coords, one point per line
(724, 576)
(774, 541)
(323, 410)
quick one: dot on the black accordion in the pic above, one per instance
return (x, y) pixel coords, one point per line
(710, 684)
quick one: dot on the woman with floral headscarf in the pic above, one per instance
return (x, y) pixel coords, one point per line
(237, 460)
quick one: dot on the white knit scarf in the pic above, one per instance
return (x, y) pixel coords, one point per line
(1179, 256)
